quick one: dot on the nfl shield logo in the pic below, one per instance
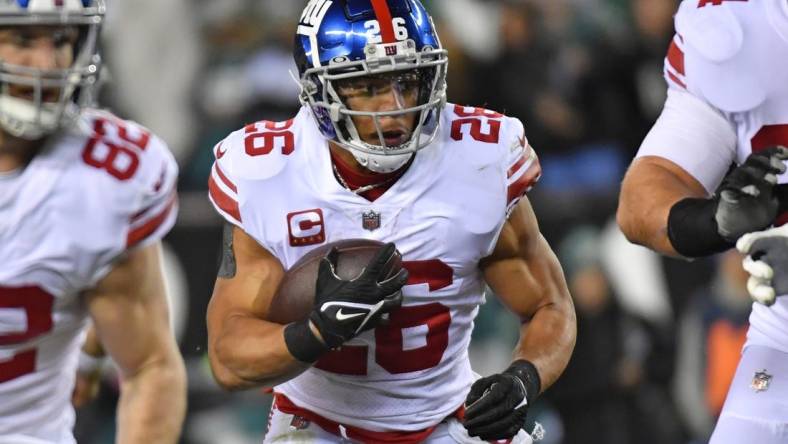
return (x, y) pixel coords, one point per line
(370, 220)
(299, 423)
(761, 380)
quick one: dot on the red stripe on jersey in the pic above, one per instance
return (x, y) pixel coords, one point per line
(224, 178)
(156, 188)
(285, 405)
(383, 13)
(138, 216)
(225, 202)
(526, 181)
(516, 166)
(769, 135)
(138, 234)
(676, 79)
(703, 3)
(676, 57)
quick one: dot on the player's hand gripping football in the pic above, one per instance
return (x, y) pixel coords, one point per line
(497, 405)
(345, 308)
(745, 200)
(767, 263)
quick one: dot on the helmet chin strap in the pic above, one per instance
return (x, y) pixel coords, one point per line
(381, 163)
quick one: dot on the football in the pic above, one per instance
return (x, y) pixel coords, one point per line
(296, 295)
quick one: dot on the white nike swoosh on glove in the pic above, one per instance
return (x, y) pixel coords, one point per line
(343, 317)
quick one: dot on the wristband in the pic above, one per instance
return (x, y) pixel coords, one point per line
(302, 343)
(527, 373)
(88, 364)
(692, 228)
(781, 193)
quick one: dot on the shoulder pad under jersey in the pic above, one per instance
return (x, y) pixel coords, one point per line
(135, 173)
(725, 45)
(497, 141)
(257, 152)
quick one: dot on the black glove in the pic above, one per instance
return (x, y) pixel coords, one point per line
(343, 309)
(746, 201)
(746, 198)
(497, 405)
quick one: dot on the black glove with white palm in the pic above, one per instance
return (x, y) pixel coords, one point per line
(345, 308)
(496, 406)
(767, 263)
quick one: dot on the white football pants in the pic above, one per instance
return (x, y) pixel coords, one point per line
(751, 416)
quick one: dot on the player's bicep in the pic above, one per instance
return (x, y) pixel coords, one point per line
(248, 278)
(523, 271)
(654, 175)
(130, 311)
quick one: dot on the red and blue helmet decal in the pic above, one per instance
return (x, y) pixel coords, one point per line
(25, 3)
(342, 28)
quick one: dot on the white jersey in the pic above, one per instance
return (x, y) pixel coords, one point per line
(728, 98)
(90, 195)
(275, 181)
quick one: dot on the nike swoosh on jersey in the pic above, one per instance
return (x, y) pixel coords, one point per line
(220, 152)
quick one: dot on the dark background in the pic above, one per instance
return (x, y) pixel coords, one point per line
(585, 77)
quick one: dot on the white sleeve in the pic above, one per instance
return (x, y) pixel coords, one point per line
(157, 201)
(693, 135)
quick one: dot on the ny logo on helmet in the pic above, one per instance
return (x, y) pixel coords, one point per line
(314, 12)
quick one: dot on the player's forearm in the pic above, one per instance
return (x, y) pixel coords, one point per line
(647, 195)
(647, 227)
(251, 352)
(548, 339)
(153, 403)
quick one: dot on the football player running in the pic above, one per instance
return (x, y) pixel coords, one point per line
(377, 153)
(726, 106)
(85, 199)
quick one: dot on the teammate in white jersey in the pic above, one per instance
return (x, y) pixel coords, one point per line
(85, 199)
(727, 106)
(376, 153)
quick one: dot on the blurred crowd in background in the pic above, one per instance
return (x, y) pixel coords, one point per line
(658, 339)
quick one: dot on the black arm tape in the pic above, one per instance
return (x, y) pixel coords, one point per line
(692, 228)
(302, 343)
(527, 373)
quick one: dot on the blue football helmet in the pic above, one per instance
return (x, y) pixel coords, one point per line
(33, 115)
(339, 40)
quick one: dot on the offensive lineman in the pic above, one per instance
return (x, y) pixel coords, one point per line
(727, 104)
(375, 152)
(85, 199)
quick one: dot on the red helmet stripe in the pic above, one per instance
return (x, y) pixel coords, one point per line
(383, 13)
